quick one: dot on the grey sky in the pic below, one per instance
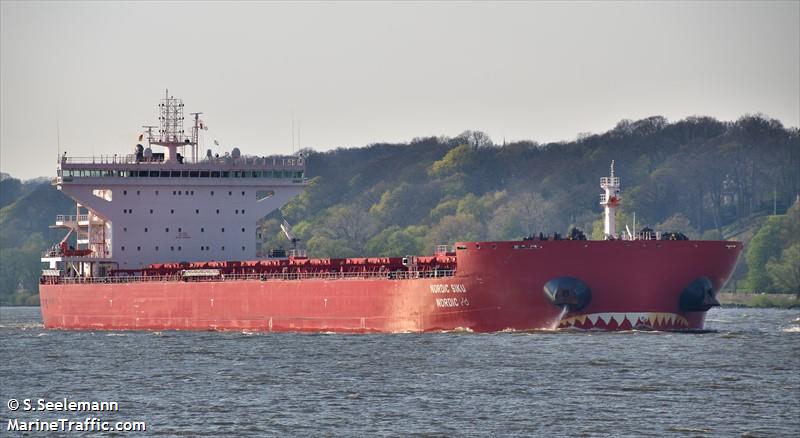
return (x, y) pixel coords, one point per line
(359, 73)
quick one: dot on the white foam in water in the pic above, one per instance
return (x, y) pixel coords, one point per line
(556, 321)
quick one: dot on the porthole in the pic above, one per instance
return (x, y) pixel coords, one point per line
(212, 193)
(145, 230)
(151, 211)
(122, 248)
(196, 211)
(138, 248)
(166, 230)
(202, 230)
(156, 248)
(242, 211)
(218, 211)
(137, 193)
(124, 192)
(172, 212)
(243, 230)
(223, 230)
(180, 229)
(125, 229)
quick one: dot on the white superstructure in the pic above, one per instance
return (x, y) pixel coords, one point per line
(149, 207)
(610, 200)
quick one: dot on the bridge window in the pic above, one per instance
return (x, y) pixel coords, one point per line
(203, 174)
(175, 174)
(214, 174)
(166, 230)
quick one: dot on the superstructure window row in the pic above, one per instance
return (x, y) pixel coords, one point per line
(85, 173)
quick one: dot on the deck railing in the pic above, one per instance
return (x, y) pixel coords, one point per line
(72, 217)
(283, 161)
(286, 276)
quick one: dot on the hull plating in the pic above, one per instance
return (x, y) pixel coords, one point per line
(498, 286)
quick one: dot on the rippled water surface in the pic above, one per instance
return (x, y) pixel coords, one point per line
(741, 378)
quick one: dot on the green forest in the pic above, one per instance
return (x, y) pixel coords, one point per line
(706, 178)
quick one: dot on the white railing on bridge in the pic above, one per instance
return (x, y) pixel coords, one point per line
(72, 218)
(276, 161)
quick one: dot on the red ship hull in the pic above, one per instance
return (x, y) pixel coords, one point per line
(496, 286)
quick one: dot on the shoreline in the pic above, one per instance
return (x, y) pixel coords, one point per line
(758, 300)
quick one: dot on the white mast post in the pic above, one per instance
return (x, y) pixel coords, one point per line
(610, 200)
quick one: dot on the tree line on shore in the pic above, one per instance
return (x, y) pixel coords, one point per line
(705, 178)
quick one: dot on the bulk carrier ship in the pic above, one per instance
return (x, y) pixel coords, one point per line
(166, 241)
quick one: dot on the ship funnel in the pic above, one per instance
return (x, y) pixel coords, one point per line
(568, 292)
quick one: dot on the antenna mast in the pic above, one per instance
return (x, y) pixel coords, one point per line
(195, 135)
(610, 201)
(170, 132)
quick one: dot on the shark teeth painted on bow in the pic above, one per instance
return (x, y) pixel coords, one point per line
(648, 319)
